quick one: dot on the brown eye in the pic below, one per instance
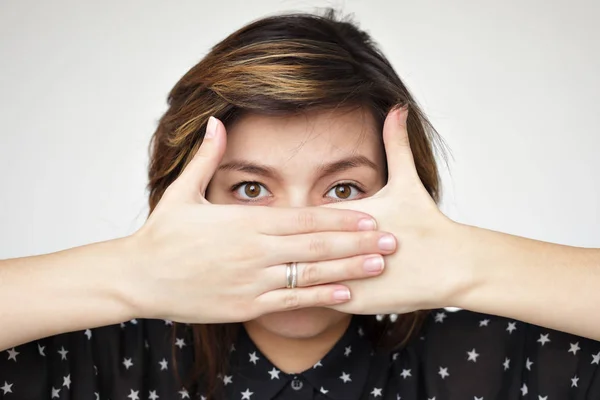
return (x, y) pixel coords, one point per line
(343, 191)
(252, 190)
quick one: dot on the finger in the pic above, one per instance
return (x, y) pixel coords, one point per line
(293, 299)
(323, 272)
(323, 246)
(291, 221)
(194, 179)
(397, 146)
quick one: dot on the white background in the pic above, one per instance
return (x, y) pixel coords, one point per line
(512, 86)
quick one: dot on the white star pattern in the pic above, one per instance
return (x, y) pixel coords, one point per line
(345, 377)
(512, 326)
(443, 372)
(12, 354)
(544, 339)
(574, 348)
(440, 316)
(163, 364)
(168, 322)
(274, 373)
(494, 343)
(67, 381)
(574, 381)
(63, 353)
(253, 357)
(347, 351)
(472, 355)
(528, 364)
(7, 387)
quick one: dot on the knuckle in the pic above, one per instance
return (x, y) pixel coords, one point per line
(307, 220)
(367, 241)
(349, 221)
(291, 300)
(321, 297)
(319, 247)
(310, 274)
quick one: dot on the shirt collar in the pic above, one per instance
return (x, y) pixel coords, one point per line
(340, 375)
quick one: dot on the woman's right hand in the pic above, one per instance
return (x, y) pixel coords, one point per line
(198, 262)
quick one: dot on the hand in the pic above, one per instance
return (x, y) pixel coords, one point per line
(202, 263)
(424, 273)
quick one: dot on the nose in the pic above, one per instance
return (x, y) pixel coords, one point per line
(296, 197)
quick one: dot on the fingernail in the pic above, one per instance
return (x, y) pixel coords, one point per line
(211, 128)
(374, 264)
(341, 294)
(367, 224)
(387, 243)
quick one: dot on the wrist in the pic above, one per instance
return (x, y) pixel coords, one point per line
(125, 278)
(463, 262)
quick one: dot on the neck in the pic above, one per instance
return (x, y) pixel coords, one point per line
(294, 355)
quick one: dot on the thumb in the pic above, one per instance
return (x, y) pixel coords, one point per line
(196, 176)
(399, 156)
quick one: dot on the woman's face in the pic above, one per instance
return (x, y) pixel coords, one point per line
(306, 160)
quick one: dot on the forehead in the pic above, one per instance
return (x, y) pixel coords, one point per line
(310, 136)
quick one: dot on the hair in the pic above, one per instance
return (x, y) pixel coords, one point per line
(285, 65)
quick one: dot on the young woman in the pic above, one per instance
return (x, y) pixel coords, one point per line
(280, 125)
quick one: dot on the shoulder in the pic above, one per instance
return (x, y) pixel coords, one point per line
(491, 354)
(108, 359)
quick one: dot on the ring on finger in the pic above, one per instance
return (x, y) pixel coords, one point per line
(291, 275)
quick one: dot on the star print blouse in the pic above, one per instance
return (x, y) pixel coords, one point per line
(459, 355)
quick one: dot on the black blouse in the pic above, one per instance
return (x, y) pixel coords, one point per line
(459, 355)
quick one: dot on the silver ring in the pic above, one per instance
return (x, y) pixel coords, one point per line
(291, 275)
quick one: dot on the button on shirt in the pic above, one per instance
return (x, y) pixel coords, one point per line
(460, 355)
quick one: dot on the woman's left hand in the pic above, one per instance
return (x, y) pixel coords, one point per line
(427, 270)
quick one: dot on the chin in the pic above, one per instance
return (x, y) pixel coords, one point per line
(305, 323)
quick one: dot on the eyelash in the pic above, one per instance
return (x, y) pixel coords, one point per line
(348, 183)
(242, 183)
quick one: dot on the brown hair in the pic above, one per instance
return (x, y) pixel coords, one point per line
(284, 64)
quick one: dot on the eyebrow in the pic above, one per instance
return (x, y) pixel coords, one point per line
(346, 164)
(324, 170)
